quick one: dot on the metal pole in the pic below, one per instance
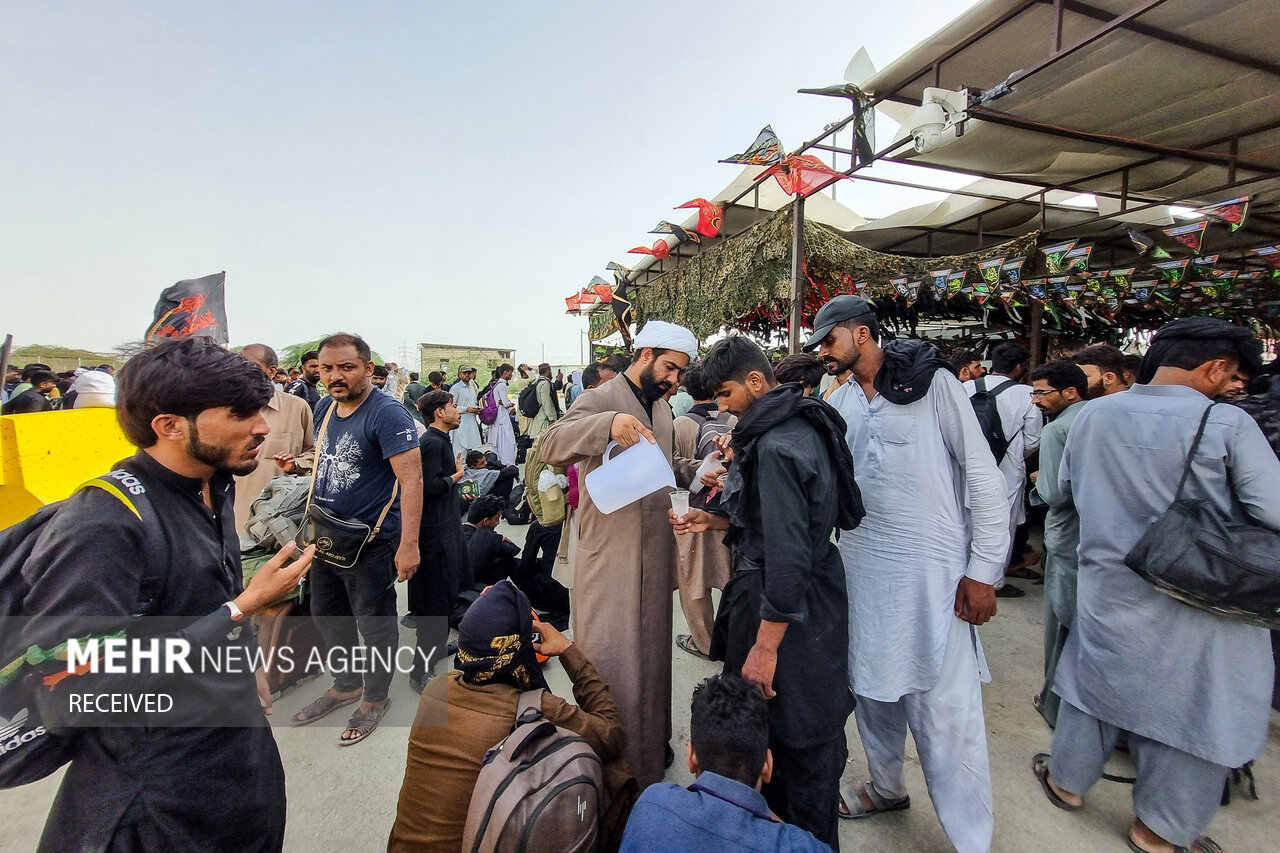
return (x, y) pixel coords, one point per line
(797, 273)
(1037, 321)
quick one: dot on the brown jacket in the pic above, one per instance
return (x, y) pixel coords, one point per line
(444, 761)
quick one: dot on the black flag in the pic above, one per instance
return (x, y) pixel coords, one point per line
(193, 307)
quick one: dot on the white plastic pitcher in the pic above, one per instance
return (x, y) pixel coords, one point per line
(638, 471)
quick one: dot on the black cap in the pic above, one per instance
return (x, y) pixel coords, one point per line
(837, 311)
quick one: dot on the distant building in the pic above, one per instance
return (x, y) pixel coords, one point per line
(447, 358)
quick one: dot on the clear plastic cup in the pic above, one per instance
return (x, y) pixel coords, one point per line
(680, 502)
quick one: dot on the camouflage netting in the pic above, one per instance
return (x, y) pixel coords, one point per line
(751, 273)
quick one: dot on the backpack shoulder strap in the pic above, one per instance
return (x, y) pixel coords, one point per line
(155, 563)
(529, 707)
(1008, 383)
(980, 384)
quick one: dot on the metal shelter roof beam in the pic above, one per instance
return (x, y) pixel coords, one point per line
(1009, 120)
(1182, 41)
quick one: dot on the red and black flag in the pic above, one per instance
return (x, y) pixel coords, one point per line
(710, 216)
(765, 150)
(193, 307)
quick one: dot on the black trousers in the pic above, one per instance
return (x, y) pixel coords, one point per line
(533, 573)
(805, 788)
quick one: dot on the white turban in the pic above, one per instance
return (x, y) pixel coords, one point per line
(662, 335)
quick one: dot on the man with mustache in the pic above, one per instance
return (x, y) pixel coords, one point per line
(367, 470)
(624, 573)
(292, 431)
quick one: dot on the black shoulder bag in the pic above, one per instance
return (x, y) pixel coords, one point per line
(1205, 559)
(339, 541)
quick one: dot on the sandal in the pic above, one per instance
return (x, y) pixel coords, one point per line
(1026, 574)
(1203, 844)
(322, 707)
(685, 643)
(849, 794)
(1040, 766)
(363, 723)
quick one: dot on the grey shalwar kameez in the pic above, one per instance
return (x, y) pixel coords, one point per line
(1061, 539)
(1193, 688)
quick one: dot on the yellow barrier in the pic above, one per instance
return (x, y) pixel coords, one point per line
(45, 455)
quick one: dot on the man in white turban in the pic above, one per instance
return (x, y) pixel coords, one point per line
(624, 573)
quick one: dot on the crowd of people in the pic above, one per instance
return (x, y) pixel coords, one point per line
(860, 506)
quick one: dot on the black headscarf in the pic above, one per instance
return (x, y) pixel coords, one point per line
(908, 370)
(1206, 328)
(495, 640)
(780, 404)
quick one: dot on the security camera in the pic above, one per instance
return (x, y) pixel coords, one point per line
(938, 119)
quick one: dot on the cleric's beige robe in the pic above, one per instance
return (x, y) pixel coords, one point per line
(623, 576)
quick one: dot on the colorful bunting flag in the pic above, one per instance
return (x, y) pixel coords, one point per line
(1013, 271)
(1053, 256)
(1233, 212)
(990, 271)
(765, 150)
(1173, 271)
(710, 216)
(1188, 235)
(940, 282)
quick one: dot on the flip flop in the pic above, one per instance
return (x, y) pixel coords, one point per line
(1040, 766)
(1203, 844)
(322, 707)
(684, 642)
(848, 794)
(364, 723)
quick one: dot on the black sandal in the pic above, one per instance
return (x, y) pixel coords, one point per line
(1040, 766)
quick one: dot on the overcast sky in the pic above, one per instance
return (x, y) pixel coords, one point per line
(412, 171)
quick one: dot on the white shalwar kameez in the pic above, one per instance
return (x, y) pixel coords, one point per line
(467, 435)
(936, 512)
(502, 434)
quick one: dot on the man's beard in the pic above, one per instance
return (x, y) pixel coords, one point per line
(217, 456)
(1096, 390)
(834, 367)
(651, 390)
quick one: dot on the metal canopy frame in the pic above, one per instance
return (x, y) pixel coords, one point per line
(1247, 172)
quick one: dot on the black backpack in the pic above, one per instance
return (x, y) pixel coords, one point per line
(517, 510)
(528, 399)
(984, 406)
(28, 751)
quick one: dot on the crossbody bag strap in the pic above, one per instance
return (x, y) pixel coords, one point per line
(377, 525)
(315, 469)
(1191, 455)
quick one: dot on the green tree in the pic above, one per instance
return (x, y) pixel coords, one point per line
(291, 356)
